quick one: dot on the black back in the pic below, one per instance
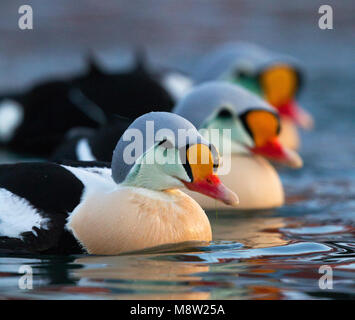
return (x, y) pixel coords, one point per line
(128, 94)
(48, 114)
(54, 192)
(52, 108)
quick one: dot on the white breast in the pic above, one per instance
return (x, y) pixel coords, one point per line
(131, 219)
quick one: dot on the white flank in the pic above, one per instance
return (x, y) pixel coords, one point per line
(83, 151)
(11, 116)
(93, 179)
(17, 215)
(177, 85)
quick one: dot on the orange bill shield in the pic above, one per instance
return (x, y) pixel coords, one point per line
(280, 84)
(264, 127)
(204, 180)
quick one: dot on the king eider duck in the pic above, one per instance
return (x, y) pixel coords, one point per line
(253, 127)
(88, 144)
(275, 77)
(37, 120)
(91, 144)
(84, 208)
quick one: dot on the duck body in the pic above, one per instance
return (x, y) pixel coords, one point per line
(255, 181)
(41, 116)
(86, 144)
(37, 199)
(87, 207)
(289, 135)
(133, 219)
(129, 93)
(76, 207)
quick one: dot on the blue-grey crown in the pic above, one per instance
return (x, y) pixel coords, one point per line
(239, 56)
(208, 98)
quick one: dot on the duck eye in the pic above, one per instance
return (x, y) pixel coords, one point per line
(225, 113)
(241, 74)
(165, 143)
(215, 157)
(185, 162)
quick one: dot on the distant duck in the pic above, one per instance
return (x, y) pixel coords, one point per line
(275, 77)
(87, 144)
(129, 93)
(254, 126)
(81, 207)
(36, 121)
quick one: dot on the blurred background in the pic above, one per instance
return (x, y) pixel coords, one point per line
(172, 31)
(177, 33)
(321, 196)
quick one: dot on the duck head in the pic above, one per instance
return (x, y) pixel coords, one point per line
(161, 151)
(275, 77)
(254, 125)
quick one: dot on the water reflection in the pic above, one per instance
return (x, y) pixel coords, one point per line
(223, 269)
(254, 229)
(125, 277)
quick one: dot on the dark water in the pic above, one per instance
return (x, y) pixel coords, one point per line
(255, 255)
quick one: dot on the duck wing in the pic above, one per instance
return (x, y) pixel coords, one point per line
(35, 202)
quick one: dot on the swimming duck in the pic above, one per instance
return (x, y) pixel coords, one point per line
(275, 77)
(254, 127)
(84, 207)
(37, 120)
(89, 144)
